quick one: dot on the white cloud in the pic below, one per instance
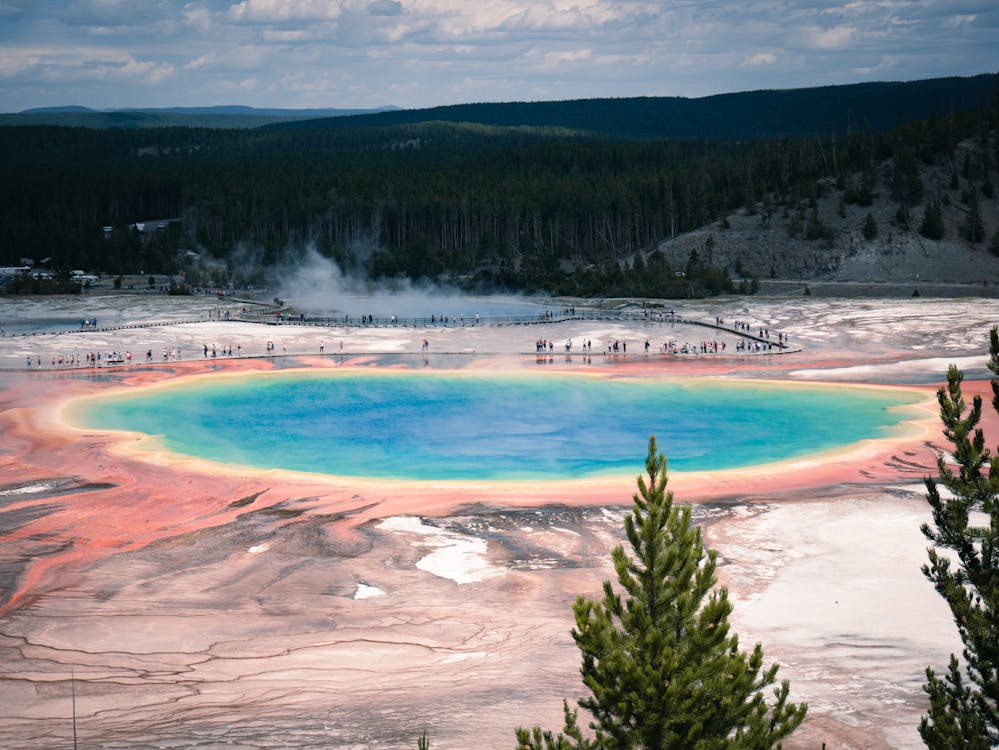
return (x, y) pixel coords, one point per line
(457, 19)
(102, 31)
(82, 63)
(760, 58)
(539, 17)
(145, 71)
(198, 17)
(837, 37)
(558, 58)
(279, 11)
(962, 20)
(202, 61)
(287, 35)
(15, 61)
(638, 58)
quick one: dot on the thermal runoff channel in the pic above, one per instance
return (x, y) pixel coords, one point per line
(447, 426)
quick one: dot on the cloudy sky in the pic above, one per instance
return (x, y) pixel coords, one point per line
(421, 53)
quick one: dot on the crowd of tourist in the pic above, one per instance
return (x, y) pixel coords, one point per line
(750, 338)
(672, 346)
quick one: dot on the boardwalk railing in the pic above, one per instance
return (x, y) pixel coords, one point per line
(437, 321)
(466, 321)
(456, 321)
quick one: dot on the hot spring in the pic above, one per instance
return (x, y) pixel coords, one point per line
(469, 426)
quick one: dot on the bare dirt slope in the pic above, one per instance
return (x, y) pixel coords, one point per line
(764, 241)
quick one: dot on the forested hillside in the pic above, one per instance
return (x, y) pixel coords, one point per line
(531, 208)
(875, 107)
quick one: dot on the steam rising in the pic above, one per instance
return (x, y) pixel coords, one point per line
(316, 285)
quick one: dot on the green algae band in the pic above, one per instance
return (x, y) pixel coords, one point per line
(463, 426)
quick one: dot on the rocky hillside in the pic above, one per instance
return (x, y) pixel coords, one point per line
(772, 242)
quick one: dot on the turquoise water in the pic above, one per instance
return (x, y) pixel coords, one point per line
(445, 426)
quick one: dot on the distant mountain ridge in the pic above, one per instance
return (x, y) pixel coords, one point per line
(752, 114)
(221, 117)
(804, 112)
(230, 109)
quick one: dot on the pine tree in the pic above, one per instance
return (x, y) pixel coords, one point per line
(933, 224)
(973, 230)
(964, 706)
(870, 228)
(662, 669)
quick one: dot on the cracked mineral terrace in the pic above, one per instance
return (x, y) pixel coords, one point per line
(192, 606)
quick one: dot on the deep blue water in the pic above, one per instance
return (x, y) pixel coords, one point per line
(469, 426)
